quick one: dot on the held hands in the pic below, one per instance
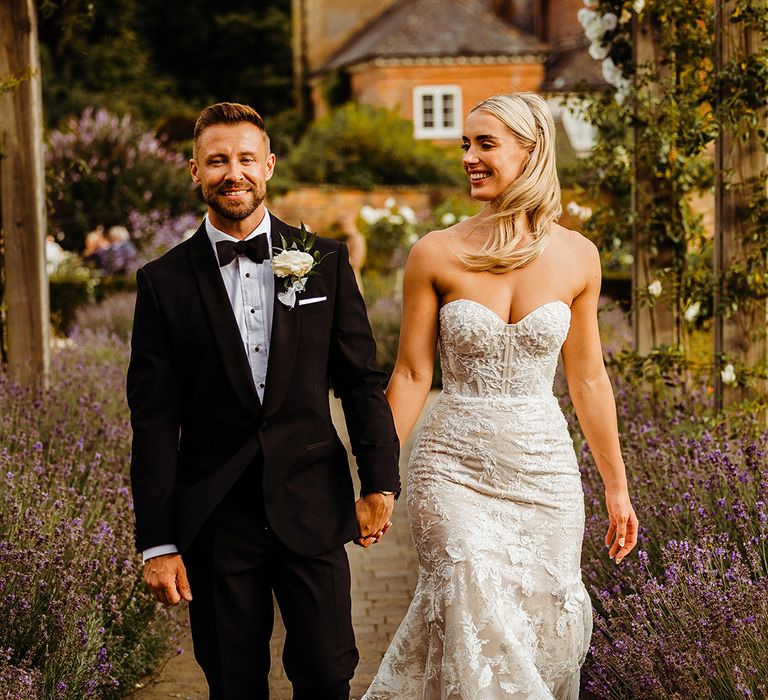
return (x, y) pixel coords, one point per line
(373, 517)
(621, 537)
(166, 577)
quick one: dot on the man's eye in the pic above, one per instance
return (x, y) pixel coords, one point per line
(247, 160)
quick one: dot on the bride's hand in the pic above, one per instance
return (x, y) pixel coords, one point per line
(621, 537)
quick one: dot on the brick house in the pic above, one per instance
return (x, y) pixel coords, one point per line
(432, 60)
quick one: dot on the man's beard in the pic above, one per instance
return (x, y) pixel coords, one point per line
(234, 211)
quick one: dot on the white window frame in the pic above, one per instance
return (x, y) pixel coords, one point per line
(439, 130)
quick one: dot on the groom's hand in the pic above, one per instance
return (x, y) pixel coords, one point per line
(373, 512)
(166, 577)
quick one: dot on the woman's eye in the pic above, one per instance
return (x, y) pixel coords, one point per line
(464, 146)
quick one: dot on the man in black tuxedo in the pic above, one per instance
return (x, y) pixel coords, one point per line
(241, 485)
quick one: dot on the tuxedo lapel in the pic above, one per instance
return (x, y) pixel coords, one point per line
(284, 342)
(222, 319)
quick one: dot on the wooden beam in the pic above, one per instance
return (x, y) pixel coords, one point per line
(739, 165)
(656, 324)
(22, 196)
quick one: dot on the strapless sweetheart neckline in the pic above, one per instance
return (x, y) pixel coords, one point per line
(499, 318)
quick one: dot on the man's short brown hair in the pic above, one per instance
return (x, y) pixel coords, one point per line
(229, 113)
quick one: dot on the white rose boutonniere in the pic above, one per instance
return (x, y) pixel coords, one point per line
(295, 263)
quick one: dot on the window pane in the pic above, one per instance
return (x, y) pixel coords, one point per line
(448, 111)
(428, 110)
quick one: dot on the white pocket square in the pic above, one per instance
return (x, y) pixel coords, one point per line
(311, 300)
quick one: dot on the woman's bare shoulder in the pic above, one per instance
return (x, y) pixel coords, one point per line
(434, 246)
(574, 245)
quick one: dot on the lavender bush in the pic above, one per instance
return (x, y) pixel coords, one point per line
(156, 232)
(77, 621)
(101, 167)
(686, 615)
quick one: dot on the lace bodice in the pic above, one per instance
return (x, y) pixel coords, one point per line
(481, 355)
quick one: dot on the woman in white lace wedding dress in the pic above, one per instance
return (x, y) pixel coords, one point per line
(494, 492)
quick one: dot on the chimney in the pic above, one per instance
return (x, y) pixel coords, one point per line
(520, 13)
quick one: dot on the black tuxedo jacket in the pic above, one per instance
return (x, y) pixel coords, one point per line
(197, 419)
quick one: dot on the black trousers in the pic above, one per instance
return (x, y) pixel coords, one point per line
(234, 566)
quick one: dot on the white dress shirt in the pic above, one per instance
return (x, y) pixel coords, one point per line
(250, 287)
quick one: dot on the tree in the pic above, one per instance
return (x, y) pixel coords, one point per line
(22, 194)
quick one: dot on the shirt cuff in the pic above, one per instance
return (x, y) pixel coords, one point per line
(148, 554)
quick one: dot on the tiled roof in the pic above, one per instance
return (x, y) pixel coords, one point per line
(435, 29)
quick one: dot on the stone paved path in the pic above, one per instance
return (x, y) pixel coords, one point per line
(383, 580)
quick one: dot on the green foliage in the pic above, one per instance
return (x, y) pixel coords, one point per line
(76, 288)
(96, 54)
(152, 58)
(363, 146)
(101, 168)
(239, 51)
(677, 105)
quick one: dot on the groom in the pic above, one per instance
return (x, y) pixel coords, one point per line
(240, 483)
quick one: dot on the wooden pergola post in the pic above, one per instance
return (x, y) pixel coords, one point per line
(22, 196)
(657, 324)
(739, 166)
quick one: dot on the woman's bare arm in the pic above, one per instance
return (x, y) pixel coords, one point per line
(412, 376)
(592, 395)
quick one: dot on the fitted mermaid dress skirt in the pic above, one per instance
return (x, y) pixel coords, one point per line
(497, 519)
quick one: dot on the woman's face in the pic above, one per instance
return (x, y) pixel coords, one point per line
(493, 158)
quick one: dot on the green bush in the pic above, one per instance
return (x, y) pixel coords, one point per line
(363, 146)
(78, 287)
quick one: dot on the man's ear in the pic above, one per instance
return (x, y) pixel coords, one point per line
(271, 158)
(193, 170)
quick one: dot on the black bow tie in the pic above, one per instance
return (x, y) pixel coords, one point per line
(256, 248)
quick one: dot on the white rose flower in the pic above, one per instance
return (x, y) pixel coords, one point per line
(598, 51)
(626, 15)
(448, 218)
(288, 263)
(610, 21)
(622, 91)
(638, 6)
(594, 29)
(654, 288)
(408, 214)
(368, 214)
(591, 4)
(728, 374)
(573, 209)
(692, 311)
(584, 16)
(612, 73)
(584, 213)
(622, 155)
(396, 219)
(389, 202)
(627, 259)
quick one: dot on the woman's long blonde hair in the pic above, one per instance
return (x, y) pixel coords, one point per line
(532, 202)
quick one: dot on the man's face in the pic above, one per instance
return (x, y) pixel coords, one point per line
(232, 166)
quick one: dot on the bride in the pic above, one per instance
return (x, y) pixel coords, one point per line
(494, 493)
